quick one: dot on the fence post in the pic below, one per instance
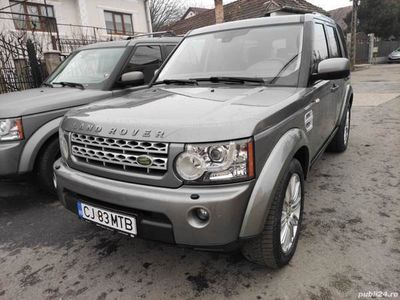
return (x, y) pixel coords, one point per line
(371, 38)
(21, 67)
(34, 64)
(52, 60)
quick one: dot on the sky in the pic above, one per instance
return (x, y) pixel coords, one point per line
(325, 4)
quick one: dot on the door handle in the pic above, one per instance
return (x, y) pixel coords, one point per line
(334, 88)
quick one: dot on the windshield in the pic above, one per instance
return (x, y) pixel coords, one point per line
(271, 53)
(88, 67)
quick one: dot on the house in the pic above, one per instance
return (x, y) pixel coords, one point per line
(245, 9)
(340, 15)
(193, 11)
(71, 18)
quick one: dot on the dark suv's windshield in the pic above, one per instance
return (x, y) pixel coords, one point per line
(90, 68)
(271, 53)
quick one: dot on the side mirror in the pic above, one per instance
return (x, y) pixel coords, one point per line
(333, 68)
(132, 78)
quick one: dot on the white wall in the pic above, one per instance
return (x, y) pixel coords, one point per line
(95, 12)
(86, 12)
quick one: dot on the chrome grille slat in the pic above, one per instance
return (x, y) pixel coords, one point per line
(89, 149)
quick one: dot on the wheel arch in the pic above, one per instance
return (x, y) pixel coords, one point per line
(36, 143)
(293, 144)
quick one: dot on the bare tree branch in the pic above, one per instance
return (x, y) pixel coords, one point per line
(165, 12)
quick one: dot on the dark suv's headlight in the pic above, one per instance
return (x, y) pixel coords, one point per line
(11, 130)
(217, 162)
(64, 148)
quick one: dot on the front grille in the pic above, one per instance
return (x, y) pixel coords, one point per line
(120, 154)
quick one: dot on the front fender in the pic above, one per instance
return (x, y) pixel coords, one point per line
(35, 142)
(266, 184)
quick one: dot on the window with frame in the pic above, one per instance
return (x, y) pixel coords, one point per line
(334, 46)
(118, 23)
(146, 55)
(320, 46)
(33, 16)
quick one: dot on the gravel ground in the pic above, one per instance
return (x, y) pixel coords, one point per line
(350, 242)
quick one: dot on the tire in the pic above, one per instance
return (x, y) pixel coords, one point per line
(267, 249)
(341, 139)
(44, 165)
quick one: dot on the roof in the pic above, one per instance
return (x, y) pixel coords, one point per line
(295, 6)
(340, 14)
(196, 10)
(253, 22)
(244, 9)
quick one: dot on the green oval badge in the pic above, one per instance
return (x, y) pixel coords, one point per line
(144, 160)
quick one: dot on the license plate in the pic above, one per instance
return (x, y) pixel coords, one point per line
(107, 218)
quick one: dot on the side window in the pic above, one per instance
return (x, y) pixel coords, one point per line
(146, 55)
(320, 47)
(169, 49)
(334, 45)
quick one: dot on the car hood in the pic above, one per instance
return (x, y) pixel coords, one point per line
(184, 114)
(395, 54)
(44, 99)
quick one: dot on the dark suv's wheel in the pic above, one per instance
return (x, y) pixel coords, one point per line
(44, 165)
(341, 139)
(277, 243)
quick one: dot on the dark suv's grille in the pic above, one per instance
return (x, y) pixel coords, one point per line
(121, 154)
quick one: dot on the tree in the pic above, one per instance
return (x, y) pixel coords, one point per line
(164, 12)
(380, 17)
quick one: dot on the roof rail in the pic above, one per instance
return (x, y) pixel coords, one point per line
(152, 34)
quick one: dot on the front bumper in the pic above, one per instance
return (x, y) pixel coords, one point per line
(10, 153)
(394, 58)
(162, 210)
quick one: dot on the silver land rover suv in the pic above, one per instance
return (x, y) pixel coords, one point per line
(213, 155)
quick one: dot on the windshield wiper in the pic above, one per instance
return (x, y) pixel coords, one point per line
(283, 69)
(47, 84)
(71, 84)
(176, 81)
(241, 80)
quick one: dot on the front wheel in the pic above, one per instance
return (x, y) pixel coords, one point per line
(44, 166)
(277, 243)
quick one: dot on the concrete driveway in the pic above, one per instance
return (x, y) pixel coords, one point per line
(350, 242)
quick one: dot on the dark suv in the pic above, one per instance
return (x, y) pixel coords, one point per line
(29, 119)
(213, 155)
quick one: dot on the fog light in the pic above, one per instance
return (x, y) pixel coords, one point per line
(202, 214)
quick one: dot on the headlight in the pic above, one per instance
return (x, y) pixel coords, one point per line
(11, 130)
(63, 145)
(228, 161)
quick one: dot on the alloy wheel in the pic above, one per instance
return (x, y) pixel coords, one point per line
(291, 210)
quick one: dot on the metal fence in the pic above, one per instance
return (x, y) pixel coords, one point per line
(386, 47)
(20, 68)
